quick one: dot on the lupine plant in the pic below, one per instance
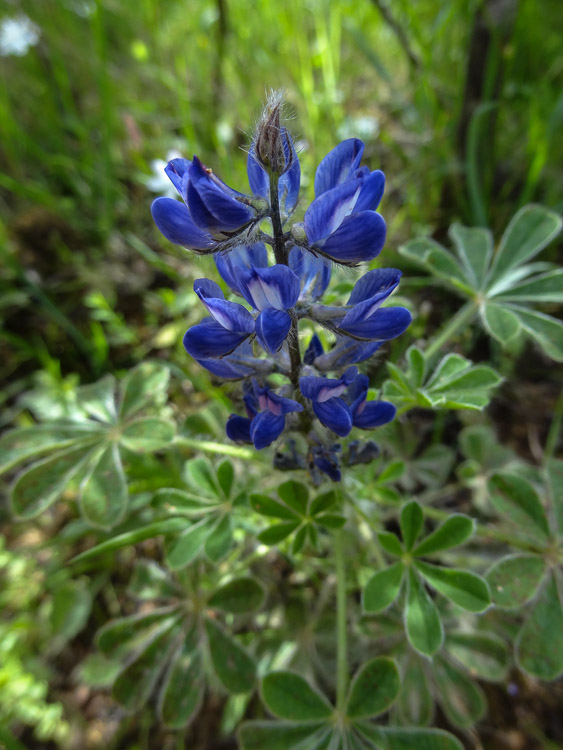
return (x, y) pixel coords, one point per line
(314, 578)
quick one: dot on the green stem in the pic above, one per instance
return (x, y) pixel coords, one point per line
(341, 623)
(212, 447)
(460, 319)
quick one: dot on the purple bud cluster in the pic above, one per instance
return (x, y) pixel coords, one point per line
(257, 337)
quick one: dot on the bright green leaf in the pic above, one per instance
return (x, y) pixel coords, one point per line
(288, 696)
(424, 626)
(467, 590)
(545, 330)
(500, 322)
(267, 506)
(514, 497)
(390, 543)
(374, 689)
(148, 434)
(530, 230)
(383, 588)
(412, 520)
(455, 530)
(39, 486)
(515, 579)
(145, 384)
(219, 541)
(295, 495)
(98, 399)
(103, 492)
(546, 287)
(233, 666)
(187, 546)
(277, 533)
(226, 476)
(474, 247)
(128, 538)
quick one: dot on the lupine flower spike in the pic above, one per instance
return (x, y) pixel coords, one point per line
(256, 333)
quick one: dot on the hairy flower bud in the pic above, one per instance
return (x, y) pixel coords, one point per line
(270, 148)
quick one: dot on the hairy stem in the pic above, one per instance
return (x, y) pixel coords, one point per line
(282, 257)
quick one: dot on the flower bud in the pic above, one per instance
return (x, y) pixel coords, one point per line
(269, 146)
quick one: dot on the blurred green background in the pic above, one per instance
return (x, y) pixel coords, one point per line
(460, 103)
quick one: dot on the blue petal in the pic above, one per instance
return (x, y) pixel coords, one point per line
(243, 256)
(176, 169)
(265, 428)
(385, 324)
(365, 310)
(374, 282)
(257, 176)
(209, 339)
(314, 350)
(359, 238)
(212, 204)
(272, 327)
(346, 352)
(270, 401)
(373, 186)
(329, 466)
(357, 392)
(313, 272)
(226, 369)
(276, 286)
(206, 288)
(238, 429)
(289, 182)
(374, 414)
(335, 415)
(323, 389)
(326, 213)
(174, 221)
(229, 315)
(338, 165)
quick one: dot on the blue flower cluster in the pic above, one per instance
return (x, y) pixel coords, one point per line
(258, 336)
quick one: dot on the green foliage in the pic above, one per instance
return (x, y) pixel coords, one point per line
(456, 383)
(87, 452)
(502, 286)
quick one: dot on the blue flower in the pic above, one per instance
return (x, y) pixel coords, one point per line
(314, 273)
(211, 211)
(329, 408)
(341, 223)
(243, 256)
(266, 417)
(367, 415)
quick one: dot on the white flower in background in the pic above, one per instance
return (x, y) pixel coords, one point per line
(17, 35)
(159, 182)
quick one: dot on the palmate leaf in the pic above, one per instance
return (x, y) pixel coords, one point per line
(239, 596)
(514, 497)
(278, 735)
(504, 286)
(383, 588)
(384, 738)
(467, 590)
(539, 646)
(456, 383)
(88, 452)
(21, 444)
